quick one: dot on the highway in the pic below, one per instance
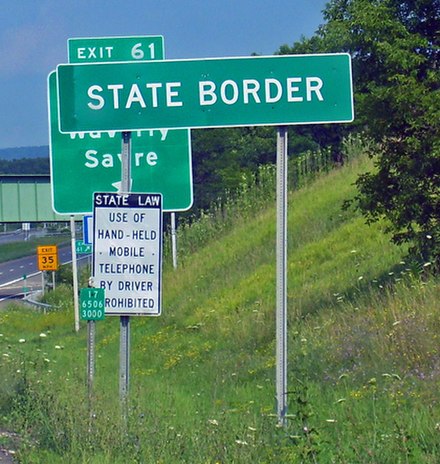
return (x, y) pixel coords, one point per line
(12, 273)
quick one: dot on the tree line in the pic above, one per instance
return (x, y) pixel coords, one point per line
(25, 166)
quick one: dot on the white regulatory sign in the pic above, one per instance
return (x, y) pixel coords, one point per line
(127, 253)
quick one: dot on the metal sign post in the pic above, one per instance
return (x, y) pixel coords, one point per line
(281, 272)
(74, 273)
(124, 340)
(174, 239)
(25, 287)
(91, 337)
(43, 283)
(92, 310)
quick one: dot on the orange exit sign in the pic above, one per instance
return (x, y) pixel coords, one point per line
(47, 257)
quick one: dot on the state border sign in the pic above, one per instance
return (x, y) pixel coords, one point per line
(218, 92)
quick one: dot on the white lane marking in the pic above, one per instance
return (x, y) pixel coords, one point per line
(19, 280)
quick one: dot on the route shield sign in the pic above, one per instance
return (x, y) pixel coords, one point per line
(85, 162)
(218, 92)
(127, 256)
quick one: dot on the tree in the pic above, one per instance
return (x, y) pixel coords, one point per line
(222, 156)
(25, 166)
(395, 50)
(316, 135)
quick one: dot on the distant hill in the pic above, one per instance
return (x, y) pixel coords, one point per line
(24, 160)
(24, 152)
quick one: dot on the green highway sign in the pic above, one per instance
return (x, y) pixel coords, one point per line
(82, 248)
(218, 92)
(82, 163)
(161, 160)
(92, 304)
(107, 49)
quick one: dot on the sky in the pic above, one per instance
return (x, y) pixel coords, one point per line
(34, 33)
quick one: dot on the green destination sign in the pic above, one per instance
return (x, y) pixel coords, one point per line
(82, 248)
(106, 49)
(83, 163)
(220, 92)
(161, 161)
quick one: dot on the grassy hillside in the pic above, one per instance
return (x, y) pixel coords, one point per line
(363, 353)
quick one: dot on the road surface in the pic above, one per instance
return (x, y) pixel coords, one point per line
(12, 274)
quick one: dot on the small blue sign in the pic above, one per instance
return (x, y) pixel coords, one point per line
(88, 230)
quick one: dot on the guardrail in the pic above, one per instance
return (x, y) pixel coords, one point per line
(30, 300)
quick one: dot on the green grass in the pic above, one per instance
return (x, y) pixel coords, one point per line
(14, 250)
(363, 353)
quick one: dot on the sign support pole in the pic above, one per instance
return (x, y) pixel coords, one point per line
(91, 331)
(124, 340)
(75, 273)
(25, 287)
(173, 239)
(281, 276)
